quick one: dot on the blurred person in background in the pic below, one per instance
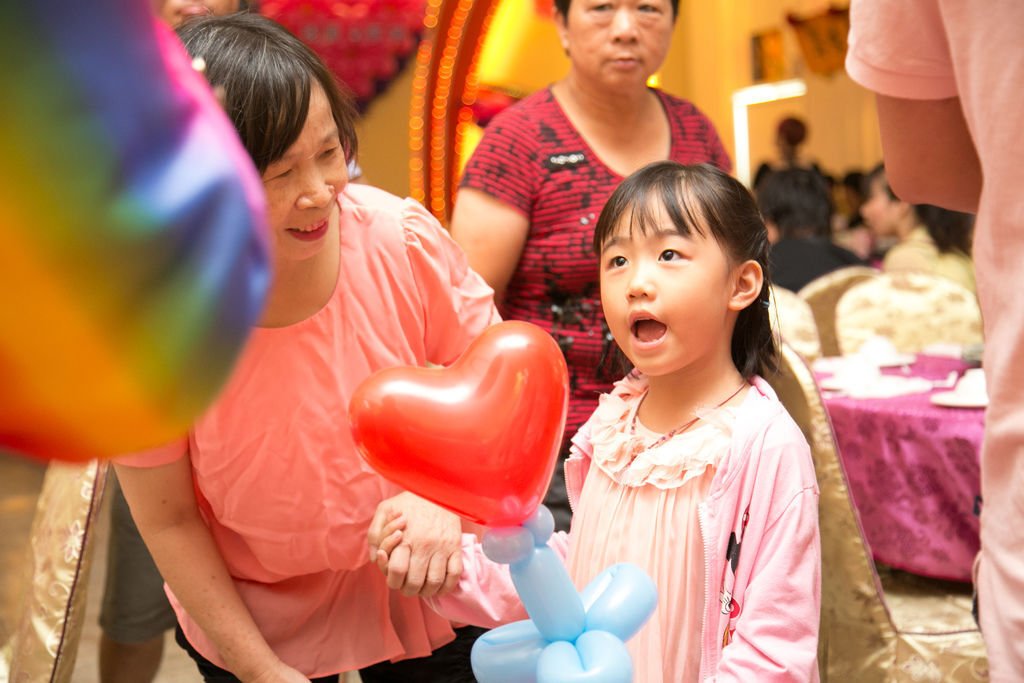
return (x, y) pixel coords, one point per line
(797, 210)
(929, 239)
(848, 228)
(790, 136)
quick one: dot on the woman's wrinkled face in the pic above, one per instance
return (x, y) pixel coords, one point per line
(612, 42)
(175, 12)
(302, 186)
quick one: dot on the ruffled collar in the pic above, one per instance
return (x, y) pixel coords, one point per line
(626, 457)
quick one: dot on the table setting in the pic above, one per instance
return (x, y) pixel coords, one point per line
(909, 429)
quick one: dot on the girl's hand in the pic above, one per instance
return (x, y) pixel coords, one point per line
(385, 540)
(428, 559)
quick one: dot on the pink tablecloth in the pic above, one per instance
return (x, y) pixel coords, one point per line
(914, 474)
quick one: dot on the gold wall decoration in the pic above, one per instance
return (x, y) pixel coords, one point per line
(822, 39)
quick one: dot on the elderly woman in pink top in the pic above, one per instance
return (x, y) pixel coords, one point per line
(258, 517)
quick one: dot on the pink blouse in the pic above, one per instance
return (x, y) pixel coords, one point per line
(277, 476)
(640, 505)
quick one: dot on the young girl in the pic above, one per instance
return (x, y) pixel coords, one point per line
(690, 468)
(258, 517)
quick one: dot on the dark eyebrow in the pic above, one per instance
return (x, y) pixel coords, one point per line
(663, 232)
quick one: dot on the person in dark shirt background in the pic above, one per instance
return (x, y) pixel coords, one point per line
(797, 209)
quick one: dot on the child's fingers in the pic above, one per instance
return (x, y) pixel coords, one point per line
(396, 523)
(385, 523)
(375, 533)
(381, 559)
(390, 542)
(398, 566)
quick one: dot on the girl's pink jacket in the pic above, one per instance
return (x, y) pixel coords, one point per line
(761, 552)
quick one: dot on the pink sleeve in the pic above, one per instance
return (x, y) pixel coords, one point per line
(776, 637)
(458, 305)
(899, 49)
(485, 595)
(155, 457)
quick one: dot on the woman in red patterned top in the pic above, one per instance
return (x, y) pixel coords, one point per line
(535, 185)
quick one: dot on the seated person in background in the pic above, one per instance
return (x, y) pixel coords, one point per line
(848, 227)
(930, 239)
(853, 198)
(797, 210)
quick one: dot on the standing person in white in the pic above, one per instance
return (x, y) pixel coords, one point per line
(949, 75)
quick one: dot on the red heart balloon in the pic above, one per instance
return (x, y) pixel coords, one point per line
(480, 437)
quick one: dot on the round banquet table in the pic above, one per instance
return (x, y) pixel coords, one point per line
(914, 473)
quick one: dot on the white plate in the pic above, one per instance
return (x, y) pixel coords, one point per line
(953, 399)
(882, 386)
(831, 384)
(896, 361)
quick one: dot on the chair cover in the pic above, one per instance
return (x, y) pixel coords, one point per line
(793, 320)
(912, 310)
(914, 629)
(44, 642)
(823, 294)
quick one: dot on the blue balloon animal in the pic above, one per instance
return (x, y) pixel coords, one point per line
(569, 636)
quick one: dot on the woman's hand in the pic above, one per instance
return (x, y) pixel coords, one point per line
(427, 560)
(279, 673)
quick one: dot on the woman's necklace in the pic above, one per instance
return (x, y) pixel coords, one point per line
(683, 427)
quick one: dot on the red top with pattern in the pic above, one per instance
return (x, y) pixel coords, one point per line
(532, 158)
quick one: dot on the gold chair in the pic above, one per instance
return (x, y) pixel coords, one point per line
(912, 310)
(823, 293)
(898, 628)
(45, 639)
(793, 320)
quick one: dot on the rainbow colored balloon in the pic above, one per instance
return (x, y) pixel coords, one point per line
(132, 256)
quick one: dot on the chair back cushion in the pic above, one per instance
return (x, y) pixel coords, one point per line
(44, 643)
(912, 310)
(793, 321)
(823, 293)
(857, 639)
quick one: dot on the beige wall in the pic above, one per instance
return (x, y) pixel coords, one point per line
(384, 136)
(709, 60)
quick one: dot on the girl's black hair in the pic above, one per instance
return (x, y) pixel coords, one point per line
(562, 6)
(267, 75)
(698, 198)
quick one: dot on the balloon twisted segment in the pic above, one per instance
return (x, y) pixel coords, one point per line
(569, 636)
